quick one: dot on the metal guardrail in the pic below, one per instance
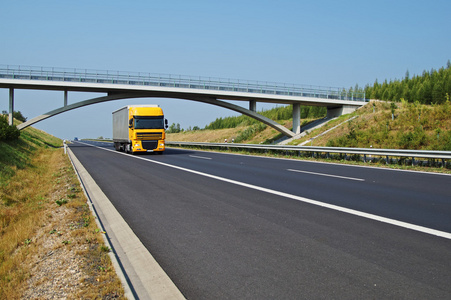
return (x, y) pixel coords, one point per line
(429, 154)
(177, 81)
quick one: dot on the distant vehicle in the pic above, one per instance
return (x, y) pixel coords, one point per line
(139, 128)
(76, 139)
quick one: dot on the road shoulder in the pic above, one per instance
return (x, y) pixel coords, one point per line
(141, 272)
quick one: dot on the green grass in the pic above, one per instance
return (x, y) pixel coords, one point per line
(17, 154)
(413, 126)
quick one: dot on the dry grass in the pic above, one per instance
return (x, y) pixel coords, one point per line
(207, 136)
(219, 135)
(48, 249)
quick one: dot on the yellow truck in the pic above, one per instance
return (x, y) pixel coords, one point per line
(139, 128)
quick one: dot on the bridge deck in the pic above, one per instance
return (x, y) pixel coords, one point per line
(175, 86)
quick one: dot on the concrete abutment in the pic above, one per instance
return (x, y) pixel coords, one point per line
(336, 111)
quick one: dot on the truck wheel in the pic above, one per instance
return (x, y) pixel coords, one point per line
(129, 149)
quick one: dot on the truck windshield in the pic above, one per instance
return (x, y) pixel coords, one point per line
(149, 122)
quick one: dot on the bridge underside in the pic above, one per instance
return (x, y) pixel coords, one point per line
(112, 97)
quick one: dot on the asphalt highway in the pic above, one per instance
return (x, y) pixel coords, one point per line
(239, 227)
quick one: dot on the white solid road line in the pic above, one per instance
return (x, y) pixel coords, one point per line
(439, 233)
(329, 175)
(202, 157)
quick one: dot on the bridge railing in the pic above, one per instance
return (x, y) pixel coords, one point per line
(176, 81)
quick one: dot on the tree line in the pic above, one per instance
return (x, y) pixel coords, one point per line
(431, 87)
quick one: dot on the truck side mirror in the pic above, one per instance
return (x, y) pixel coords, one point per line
(166, 123)
(130, 123)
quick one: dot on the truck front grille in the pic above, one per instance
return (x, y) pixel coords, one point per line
(150, 145)
(149, 135)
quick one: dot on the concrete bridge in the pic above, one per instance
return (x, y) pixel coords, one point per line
(127, 85)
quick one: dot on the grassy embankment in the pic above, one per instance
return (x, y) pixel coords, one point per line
(414, 126)
(44, 217)
(390, 125)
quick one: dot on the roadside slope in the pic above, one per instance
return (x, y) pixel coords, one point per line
(379, 124)
(50, 245)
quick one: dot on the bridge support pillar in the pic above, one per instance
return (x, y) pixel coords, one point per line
(65, 98)
(253, 105)
(11, 105)
(296, 118)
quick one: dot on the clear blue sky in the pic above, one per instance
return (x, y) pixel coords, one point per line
(327, 43)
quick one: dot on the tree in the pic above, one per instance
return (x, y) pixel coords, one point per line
(420, 92)
(171, 128)
(174, 128)
(8, 132)
(18, 116)
(438, 95)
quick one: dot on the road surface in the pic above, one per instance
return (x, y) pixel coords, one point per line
(238, 227)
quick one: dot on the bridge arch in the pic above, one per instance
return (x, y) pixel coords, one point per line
(120, 96)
